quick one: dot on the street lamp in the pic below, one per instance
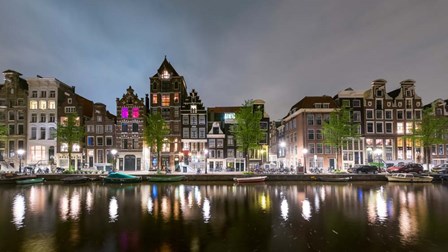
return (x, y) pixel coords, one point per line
(378, 153)
(114, 153)
(304, 151)
(20, 152)
(205, 157)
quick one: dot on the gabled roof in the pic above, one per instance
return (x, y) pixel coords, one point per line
(11, 71)
(166, 66)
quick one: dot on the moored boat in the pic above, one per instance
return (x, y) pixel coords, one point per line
(408, 177)
(165, 178)
(29, 181)
(250, 179)
(118, 178)
(75, 179)
(335, 179)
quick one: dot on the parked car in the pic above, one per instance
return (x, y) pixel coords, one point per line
(442, 168)
(409, 167)
(363, 169)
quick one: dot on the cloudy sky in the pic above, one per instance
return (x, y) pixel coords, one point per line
(232, 50)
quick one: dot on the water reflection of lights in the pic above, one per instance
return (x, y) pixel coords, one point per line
(165, 208)
(284, 208)
(306, 209)
(64, 207)
(75, 206)
(89, 201)
(206, 210)
(264, 202)
(150, 205)
(377, 207)
(197, 195)
(113, 209)
(18, 210)
(408, 226)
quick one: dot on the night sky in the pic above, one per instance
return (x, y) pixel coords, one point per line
(229, 51)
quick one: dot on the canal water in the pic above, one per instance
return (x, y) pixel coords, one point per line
(273, 216)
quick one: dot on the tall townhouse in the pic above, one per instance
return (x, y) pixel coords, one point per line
(194, 132)
(353, 149)
(274, 142)
(223, 153)
(100, 136)
(408, 111)
(303, 133)
(440, 151)
(261, 156)
(13, 114)
(167, 92)
(131, 114)
(379, 122)
(72, 103)
(45, 95)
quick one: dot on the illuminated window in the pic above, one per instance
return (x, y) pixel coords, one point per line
(408, 128)
(64, 147)
(165, 100)
(400, 128)
(33, 104)
(124, 112)
(135, 113)
(52, 105)
(165, 74)
(154, 99)
(176, 98)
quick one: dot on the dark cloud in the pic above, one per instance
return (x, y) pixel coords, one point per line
(230, 51)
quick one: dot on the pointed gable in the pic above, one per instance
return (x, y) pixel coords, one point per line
(166, 66)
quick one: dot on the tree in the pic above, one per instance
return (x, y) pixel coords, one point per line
(432, 129)
(70, 132)
(339, 128)
(155, 133)
(246, 129)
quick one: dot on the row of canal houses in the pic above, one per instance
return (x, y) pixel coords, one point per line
(32, 107)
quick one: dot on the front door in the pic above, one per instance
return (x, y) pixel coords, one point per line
(129, 163)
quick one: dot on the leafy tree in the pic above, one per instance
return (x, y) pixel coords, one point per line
(339, 128)
(432, 129)
(246, 130)
(70, 132)
(154, 134)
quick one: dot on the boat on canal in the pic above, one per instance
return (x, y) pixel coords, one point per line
(335, 179)
(75, 179)
(166, 178)
(29, 181)
(408, 177)
(250, 179)
(119, 178)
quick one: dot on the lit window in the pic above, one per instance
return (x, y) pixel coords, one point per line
(124, 112)
(33, 104)
(154, 99)
(52, 105)
(165, 100)
(400, 128)
(176, 98)
(165, 74)
(135, 113)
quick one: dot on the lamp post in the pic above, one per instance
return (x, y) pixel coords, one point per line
(20, 152)
(114, 153)
(205, 157)
(378, 153)
(304, 151)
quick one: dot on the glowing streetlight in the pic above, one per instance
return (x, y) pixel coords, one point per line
(20, 152)
(114, 153)
(304, 151)
(205, 157)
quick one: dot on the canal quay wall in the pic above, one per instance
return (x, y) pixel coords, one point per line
(229, 177)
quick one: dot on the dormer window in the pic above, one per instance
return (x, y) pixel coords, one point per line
(379, 92)
(165, 74)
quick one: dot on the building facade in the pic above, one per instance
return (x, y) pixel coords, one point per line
(131, 116)
(13, 116)
(100, 137)
(303, 134)
(168, 90)
(194, 132)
